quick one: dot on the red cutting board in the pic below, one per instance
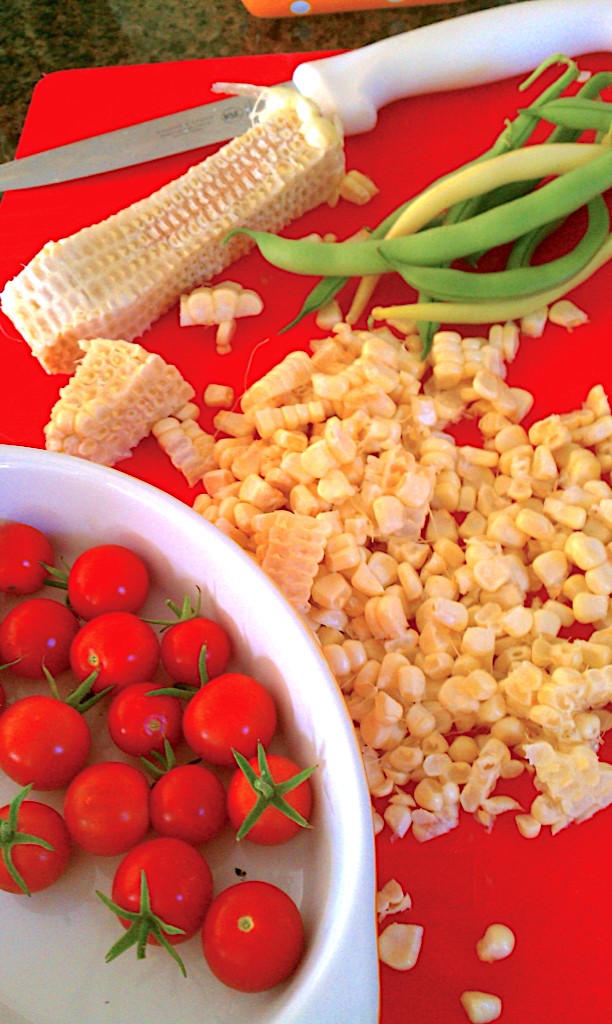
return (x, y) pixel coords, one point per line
(554, 892)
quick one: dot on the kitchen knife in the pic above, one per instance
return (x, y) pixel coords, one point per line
(471, 49)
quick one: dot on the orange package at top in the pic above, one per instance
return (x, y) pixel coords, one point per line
(299, 8)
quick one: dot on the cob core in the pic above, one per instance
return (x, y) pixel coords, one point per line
(115, 278)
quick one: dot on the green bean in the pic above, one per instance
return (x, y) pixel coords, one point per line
(327, 289)
(558, 198)
(525, 246)
(523, 249)
(320, 259)
(577, 113)
(287, 257)
(493, 311)
(517, 132)
(427, 329)
(474, 179)
(322, 293)
(514, 135)
(506, 193)
(444, 243)
(595, 84)
(452, 285)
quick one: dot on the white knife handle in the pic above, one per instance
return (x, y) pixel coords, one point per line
(467, 50)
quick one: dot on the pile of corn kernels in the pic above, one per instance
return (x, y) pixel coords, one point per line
(442, 580)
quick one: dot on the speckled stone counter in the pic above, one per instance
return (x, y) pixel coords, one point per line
(38, 37)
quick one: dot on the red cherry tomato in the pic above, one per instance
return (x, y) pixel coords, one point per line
(107, 578)
(43, 741)
(231, 711)
(179, 881)
(188, 803)
(38, 631)
(182, 644)
(253, 937)
(139, 722)
(122, 648)
(23, 549)
(106, 807)
(2, 699)
(38, 867)
(272, 827)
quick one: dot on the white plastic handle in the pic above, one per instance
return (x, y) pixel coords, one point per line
(467, 50)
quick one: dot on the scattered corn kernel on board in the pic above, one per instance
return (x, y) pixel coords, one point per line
(552, 891)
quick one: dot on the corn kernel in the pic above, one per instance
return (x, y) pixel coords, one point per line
(599, 579)
(584, 551)
(528, 826)
(481, 1007)
(589, 608)
(534, 524)
(218, 395)
(399, 945)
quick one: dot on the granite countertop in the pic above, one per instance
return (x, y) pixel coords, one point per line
(38, 37)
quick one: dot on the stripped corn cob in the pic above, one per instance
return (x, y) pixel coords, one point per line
(119, 391)
(115, 278)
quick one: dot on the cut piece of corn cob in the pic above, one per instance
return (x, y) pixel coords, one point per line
(115, 278)
(290, 548)
(216, 304)
(118, 393)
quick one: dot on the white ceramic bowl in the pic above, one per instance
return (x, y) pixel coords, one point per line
(52, 946)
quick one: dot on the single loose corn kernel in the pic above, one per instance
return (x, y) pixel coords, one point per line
(398, 818)
(584, 551)
(528, 826)
(534, 524)
(599, 580)
(595, 433)
(564, 513)
(589, 608)
(496, 944)
(331, 591)
(317, 460)
(218, 396)
(449, 613)
(552, 569)
(550, 432)
(533, 324)
(399, 945)
(567, 314)
(329, 315)
(481, 1007)
(479, 641)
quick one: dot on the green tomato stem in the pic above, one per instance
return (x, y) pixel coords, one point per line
(269, 793)
(143, 923)
(11, 837)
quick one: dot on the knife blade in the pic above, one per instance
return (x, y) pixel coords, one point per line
(136, 144)
(471, 49)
